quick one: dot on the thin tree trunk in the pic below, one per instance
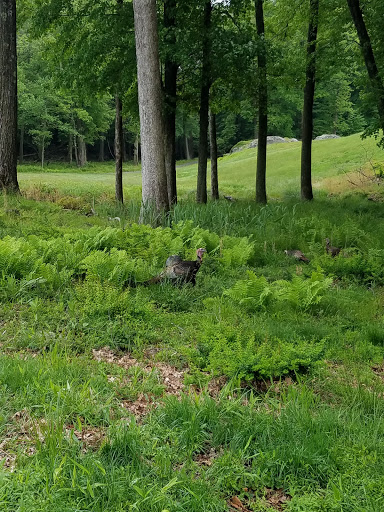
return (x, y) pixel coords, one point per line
(261, 191)
(42, 150)
(213, 144)
(123, 146)
(188, 154)
(21, 145)
(136, 150)
(101, 149)
(201, 193)
(154, 179)
(170, 80)
(70, 148)
(8, 96)
(118, 151)
(309, 94)
(82, 151)
(369, 58)
(76, 151)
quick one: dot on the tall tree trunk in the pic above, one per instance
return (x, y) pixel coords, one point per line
(8, 96)
(309, 94)
(369, 58)
(261, 191)
(213, 144)
(21, 145)
(42, 153)
(201, 193)
(188, 154)
(170, 80)
(154, 179)
(82, 151)
(101, 149)
(70, 148)
(76, 149)
(136, 150)
(124, 146)
(118, 151)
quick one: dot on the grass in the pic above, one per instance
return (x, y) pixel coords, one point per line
(259, 389)
(331, 158)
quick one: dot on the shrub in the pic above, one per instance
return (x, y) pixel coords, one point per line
(245, 358)
(256, 293)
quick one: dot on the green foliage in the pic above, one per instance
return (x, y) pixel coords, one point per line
(256, 293)
(365, 268)
(253, 293)
(248, 359)
(295, 402)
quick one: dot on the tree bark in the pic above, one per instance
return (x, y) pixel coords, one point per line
(261, 191)
(201, 193)
(42, 153)
(136, 150)
(70, 148)
(213, 144)
(76, 150)
(118, 151)
(188, 154)
(170, 84)
(101, 150)
(154, 179)
(309, 94)
(124, 146)
(21, 145)
(8, 96)
(368, 55)
(82, 151)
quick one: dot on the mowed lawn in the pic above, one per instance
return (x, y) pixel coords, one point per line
(331, 158)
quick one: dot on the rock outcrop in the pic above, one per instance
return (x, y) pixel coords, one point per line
(271, 139)
(326, 136)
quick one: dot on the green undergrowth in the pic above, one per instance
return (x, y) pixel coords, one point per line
(282, 362)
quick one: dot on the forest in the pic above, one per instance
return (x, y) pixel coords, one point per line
(191, 255)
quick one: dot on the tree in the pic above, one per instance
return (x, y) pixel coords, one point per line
(213, 144)
(118, 151)
(261, 193)
(369, 58)
(170, 84)
(8, 96)
(309, 93)
(201, 193)
(154, 180)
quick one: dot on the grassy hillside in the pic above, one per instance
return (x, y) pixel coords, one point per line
(259, 389)
(331, 158)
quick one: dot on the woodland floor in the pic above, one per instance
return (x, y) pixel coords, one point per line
(260, 389)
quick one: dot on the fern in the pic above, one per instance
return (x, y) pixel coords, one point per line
(253, 293)
(256, 293)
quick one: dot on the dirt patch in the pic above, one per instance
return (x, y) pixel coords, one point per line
(90, 437)
(171, 378)
(20, 436)
(139, 407)
(272, 498)
(276, 498)
(215, 385)
(206, 459)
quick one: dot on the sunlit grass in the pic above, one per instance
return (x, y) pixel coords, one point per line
(331, 158)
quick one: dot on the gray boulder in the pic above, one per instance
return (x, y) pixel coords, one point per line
(327, 136)
(271, 139)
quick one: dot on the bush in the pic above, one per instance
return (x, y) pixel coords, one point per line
(256, 293)
(245, 358)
